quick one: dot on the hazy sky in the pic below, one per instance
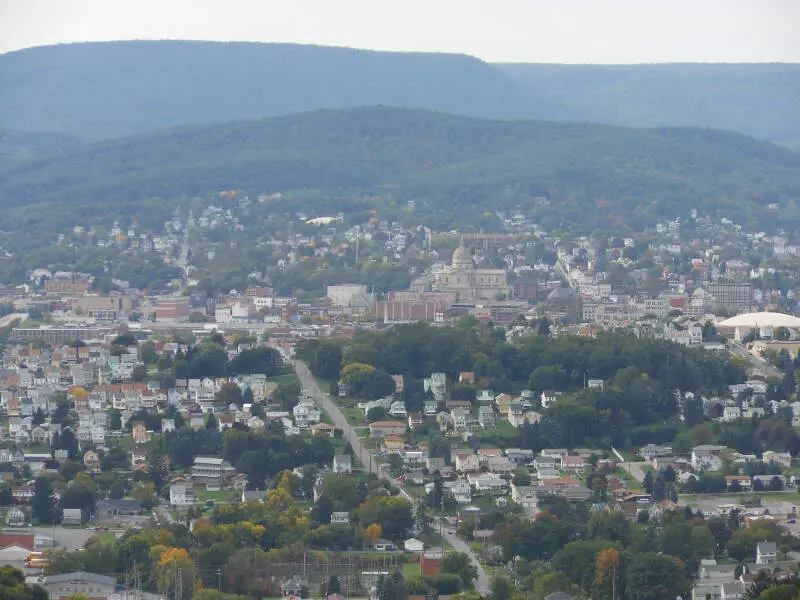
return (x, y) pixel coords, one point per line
(575, 31)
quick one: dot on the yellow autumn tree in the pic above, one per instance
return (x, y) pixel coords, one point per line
(606, 569)
(279, 500)
(287, 482)
(372, 533)
(80, 394)
(174, 573)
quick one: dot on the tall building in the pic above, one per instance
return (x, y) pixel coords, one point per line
(464, 280)
(731, 296)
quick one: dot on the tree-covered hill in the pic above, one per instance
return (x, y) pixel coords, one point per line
(453, 167)
(112, 89)
(757, 99)
(18, 146)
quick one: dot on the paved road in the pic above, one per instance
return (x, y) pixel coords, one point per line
(482, 583)
(756, 362)
(339, 420)
(635, 469)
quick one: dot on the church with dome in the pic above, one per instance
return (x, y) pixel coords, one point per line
(469, 284)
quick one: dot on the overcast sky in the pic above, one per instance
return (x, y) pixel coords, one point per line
(573, 31)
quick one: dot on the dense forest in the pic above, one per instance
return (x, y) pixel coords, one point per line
(577, 175)
(759, 100)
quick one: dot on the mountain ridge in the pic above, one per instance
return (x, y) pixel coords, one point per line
(453, 166)
(102, 90)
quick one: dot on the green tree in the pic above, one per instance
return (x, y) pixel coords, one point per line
(392, 587)
(42, 504)
(500, 588)
(458, 563)
(651, 576)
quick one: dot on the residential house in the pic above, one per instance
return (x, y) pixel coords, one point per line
(486, 417)
(461, 490)
(437, 384)
(548, 397)
(485, 482)
(434, 464)
(484, 396)
(139, 432)
(71, 516)
(707, 457)
(520, 455)
(467, 462)
(322, 430)
(784, 459)
(211, 471)
(181, 493)
(500, 465)
(462, 419)
(444, 420)
(380, 429)
(343, 464)
(574, 464)
(305, 414)
(742, 483)
(650, 451)
(467, 377)
(415, 419)
(340, 518)
(733, 590)
(526, 496)
(111, 510)
(766, 553)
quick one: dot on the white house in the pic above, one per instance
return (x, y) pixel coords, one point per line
(766, 553)
(181, 494)
(343, 464)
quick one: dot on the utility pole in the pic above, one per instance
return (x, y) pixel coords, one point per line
(179, 584)
(219, 580)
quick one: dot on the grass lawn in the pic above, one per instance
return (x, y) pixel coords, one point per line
(354, 416)
(324, 384)
(285, 379)
(106, 537)
(411, 569)
(37, 448)
(218, 496)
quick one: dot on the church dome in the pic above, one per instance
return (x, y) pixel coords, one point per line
(462, 259)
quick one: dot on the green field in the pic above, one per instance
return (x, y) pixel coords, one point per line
(411, 569)
(218, 496)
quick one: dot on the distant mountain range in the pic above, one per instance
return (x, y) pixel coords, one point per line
(457, 169)
(761, 100)
(106, 90)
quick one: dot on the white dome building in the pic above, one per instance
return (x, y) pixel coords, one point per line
(762, 323)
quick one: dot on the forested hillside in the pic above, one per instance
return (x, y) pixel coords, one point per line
(18, 146)
(112, 89)
(455, 168)
(759, 100)
(105, 90)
